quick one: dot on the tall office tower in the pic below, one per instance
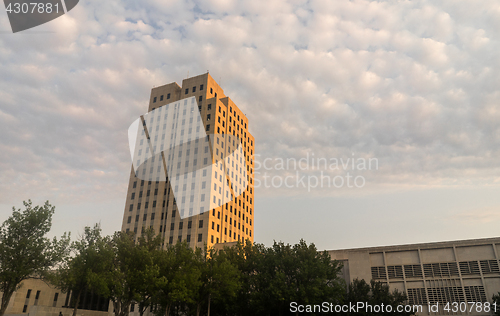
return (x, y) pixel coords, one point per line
(192, 176)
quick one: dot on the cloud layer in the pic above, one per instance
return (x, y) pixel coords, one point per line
(413, 84)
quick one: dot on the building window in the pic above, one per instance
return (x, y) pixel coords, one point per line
(173, 213)
(129, 219)
(208, 117)
(172, 226)
(216, 94)
(135, 184)
(54, 303)
(201, 87)
(190, 222)
(131, 207)
(194, 89)
(152, 216)
(133, 196)
(171, 240)
(154, 100)
(154, 203)
(161, 97)
(212, 239)
(211, 90)
(208, 127)
(28, 294)
(188, 237)
(209, 107)
(200, 224)
(181, 224)
(136, 218)
(213, 225)
(200, 237)
(168, 96)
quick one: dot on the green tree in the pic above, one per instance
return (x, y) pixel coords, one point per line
(273, 277)
(220, 279)
(147, 254)
(375, 293)
(496, 308)
(179, 266)
(25, 251)
(89, 254)
(132, 272)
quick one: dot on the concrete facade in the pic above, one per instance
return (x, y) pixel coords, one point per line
(35, 297)
(429, 273)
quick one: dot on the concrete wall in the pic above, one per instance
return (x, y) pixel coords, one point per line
(461, 271)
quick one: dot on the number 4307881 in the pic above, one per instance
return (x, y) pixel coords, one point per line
(32, 8)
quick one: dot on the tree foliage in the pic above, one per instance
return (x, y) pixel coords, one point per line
(77, 273)
(25, 251)
(496, 299)
(375, 293)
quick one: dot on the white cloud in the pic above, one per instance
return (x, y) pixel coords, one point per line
(414, 84)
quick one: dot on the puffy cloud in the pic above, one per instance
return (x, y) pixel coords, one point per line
(413, 84)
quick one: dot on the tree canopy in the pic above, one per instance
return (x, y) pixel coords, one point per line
(25, 251)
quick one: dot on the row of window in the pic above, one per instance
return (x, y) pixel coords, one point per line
(37, 296)
(188, 238)
(436, 270)
(445, 295)
(194, 89)
(216, 240)
(161, 97)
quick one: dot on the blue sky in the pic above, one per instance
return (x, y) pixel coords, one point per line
(412, 84)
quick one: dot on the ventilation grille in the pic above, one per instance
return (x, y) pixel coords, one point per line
(445, 294)
(395, 272)
(439, 270)
(489, 266)
(417, 296)
(469, 267)
(378, 273)
(475, 293)
(413, 271)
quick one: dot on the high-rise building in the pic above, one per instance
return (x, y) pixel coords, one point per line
(192, 176)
